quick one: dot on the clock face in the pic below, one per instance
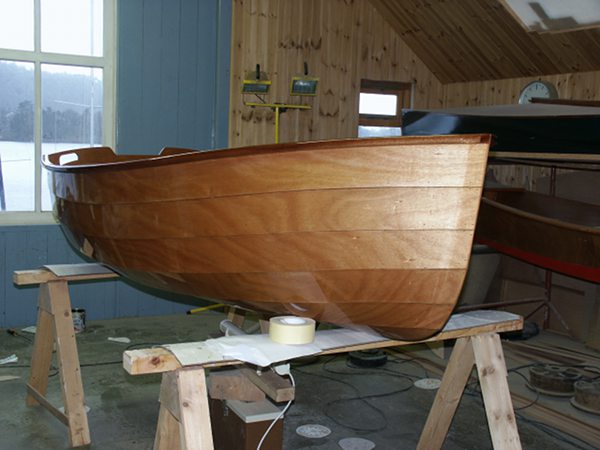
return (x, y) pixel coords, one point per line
(537, 89)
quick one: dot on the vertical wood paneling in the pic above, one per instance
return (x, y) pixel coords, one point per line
(20, 310)
(151, 112)
(130, 74)
(205, 52)
(170, 54)
(341, 40)
(187, 75)
(173, 74)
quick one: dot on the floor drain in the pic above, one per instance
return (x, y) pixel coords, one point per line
(313, 431)
(356, 444)
(428, 383)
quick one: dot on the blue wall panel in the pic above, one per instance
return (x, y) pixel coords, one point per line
(172, 90)
(30, 247)
(173, 80)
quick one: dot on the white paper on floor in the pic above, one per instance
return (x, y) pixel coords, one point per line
(122, 340)
(353, 443)
(428, 383)
(313, 431)
(9, 359)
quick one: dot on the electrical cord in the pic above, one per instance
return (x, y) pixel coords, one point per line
(362, 398)
(279, 416)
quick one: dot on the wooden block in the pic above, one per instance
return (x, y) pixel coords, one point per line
(149, 360)
(236, 316)
(232, 385)
(278, 389)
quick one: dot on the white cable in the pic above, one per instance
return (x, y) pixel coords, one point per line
(278, 417)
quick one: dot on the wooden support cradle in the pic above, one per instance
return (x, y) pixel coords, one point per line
(184, 400)
(55, 326)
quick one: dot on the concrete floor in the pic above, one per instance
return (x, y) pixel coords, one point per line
(124, 408)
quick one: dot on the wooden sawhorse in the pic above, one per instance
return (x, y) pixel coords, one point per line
(184, 420)
(55, 326)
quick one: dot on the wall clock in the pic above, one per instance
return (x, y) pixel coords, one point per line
(539, 89)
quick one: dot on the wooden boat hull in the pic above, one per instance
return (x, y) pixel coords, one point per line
(554, 233)
(375, 232)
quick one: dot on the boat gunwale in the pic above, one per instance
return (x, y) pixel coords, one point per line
(51, 162)
(540, 218)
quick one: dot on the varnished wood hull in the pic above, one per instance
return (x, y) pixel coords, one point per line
(554, 233)
(374, 232)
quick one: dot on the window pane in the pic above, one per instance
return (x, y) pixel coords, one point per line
(16, 24)
(72, 26)
(69, 95)
(364, 132)
(379, 104)
(16, 136)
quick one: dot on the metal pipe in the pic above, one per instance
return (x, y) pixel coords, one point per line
(230, 329)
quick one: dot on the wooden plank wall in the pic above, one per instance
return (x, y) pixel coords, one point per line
(341, 40)
(467, 40)
(30, 247)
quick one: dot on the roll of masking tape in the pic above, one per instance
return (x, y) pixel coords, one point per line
(291, 330)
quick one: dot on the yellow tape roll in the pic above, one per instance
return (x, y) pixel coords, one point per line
(291, 330)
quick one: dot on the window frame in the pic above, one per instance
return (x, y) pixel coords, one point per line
(107, 62)
(398, 88)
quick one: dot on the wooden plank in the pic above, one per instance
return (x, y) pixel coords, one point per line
(195, 430)
(41, 400)
(373, 209)
(158, 360)
(167, 431)
(150, 360)
(68, 363)
(232, 385)
(491, 369)
(41, 356)
(592, 340)
(278, 389)
(38, 276)
(236, 316)
(448, 396)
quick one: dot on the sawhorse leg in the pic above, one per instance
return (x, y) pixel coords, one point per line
(184, 417)
(485, 351)
(55, 325)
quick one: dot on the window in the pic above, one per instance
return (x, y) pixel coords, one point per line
(380, 107)
(554, 16)
(57, 78)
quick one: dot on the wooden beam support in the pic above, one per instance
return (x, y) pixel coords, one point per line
(491, 368)
(232, 385)
(184, 416)
(448, 396)
(55, 326)
(276, 387)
